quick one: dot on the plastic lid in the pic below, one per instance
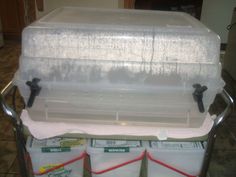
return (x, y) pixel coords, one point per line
(123, 18)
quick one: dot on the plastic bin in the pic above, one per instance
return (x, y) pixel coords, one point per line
(174, 159)
(55, 157)
(114, 158)
(119, 67)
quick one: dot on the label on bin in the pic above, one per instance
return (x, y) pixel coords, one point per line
(65, 142)
(115, 143)
(57, 142)
(176, 145)
(55, 149)
(116, 149)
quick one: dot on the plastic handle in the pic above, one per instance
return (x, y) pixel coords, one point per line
(35, 90)
(198, 95)
(168, 166)
(200, 106)
(117, 166)
(31, 99)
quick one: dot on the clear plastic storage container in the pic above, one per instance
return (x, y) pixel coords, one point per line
(120, 67)
(174, 159)
(57, 156)
(115, 158)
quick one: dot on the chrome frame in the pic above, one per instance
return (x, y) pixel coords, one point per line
(22, 151)
(212, 134)
(18, 129)
(6, 108)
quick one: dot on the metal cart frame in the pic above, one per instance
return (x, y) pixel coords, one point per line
(20, 140)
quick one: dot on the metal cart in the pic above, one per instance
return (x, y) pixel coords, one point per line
(20, 140)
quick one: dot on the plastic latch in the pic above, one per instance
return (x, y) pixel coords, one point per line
(35, 90)
(198, 95)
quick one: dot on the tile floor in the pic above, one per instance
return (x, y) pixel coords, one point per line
(223, 162)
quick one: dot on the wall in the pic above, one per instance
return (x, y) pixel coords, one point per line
(217, 14)
(1, 37)
(49, 5)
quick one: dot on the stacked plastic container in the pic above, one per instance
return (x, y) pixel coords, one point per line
(115, 158)
(57, 156)
(119, 67)
(65, 157)
(174, 159)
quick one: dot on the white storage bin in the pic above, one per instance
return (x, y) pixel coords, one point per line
(115, 158)
(51, 153)
(166, 157)
(119, 67)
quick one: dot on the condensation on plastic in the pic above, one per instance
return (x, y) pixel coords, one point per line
(119, 65)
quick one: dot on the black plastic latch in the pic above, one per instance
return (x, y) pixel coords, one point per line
(198, 95)
(35, 90)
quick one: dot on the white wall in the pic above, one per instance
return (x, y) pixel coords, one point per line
(217, 14)
(49, 5)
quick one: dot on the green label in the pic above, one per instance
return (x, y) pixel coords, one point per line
(116, 149)
(55, 149)
(62, 173)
